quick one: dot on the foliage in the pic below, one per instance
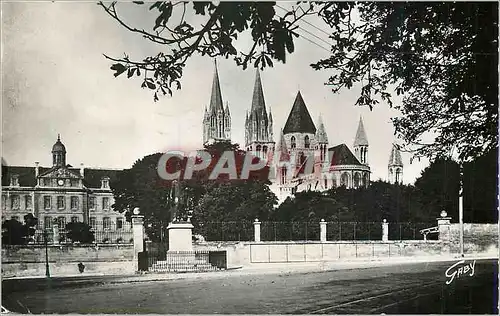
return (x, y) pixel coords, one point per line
(440, 57)
(80, 232)
(16, 233)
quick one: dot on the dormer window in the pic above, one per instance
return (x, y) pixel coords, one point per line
(105, 183)
(14, 180)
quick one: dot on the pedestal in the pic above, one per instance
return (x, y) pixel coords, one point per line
(180, 237)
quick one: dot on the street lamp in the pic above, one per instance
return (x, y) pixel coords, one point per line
(45, 237)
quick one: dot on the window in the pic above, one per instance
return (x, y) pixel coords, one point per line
(293, 142)
(15, 202)
(60, 202)
(307, 143)
(27, 202)
(46, 202)
(74, 202)
(61, 222)
(74, 219)
(74, 183)
(264, 152)
(283, 175)
(14, 180)
(92, 203)
(47, 220)
(106, 223)
(398, 175)
(357, 180)
(344, 179)
(105, 203)
(93, 222)
(119, 223)
(105, 183)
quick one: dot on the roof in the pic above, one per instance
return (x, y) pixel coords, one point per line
(258, 102)
(299, 120)
(58, 146)
(361, 139)
(342, 155)
(216, 96)
(27, 178)
(395, 157)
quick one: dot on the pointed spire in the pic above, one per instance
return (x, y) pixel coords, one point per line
(258, 103)
(395, 157)
(227, 108)
(270, 115)
(361, 139)
(299, 120)
(282, 148)
(321, 133)
(216, 96)
(58, 137)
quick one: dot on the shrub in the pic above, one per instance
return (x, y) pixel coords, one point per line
(80, 232)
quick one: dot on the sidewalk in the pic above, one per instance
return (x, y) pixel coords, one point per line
(266, 268)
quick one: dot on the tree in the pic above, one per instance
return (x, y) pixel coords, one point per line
(214, 200)
(80, 232)
(16, 233)
(440, 57)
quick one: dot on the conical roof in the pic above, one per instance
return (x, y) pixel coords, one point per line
(282, 148)
(216, 96)
(361, 139)
(395, 157)
(321, 135)
(299, 120)
(258, 102)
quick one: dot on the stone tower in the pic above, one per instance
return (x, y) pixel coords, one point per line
(322, 139)
(361, 143)
(216, 120)
(58, 153)
(395, 166)
(258, 124)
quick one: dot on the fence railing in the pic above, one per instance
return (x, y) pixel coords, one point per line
(310, 231)
(101, 236)
(159, 260)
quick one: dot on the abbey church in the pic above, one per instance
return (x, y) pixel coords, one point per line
(302, 157)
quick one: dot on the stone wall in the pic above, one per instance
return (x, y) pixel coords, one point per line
(20, 261)
(477, 237)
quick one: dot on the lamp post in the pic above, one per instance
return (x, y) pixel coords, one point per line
(45, 237)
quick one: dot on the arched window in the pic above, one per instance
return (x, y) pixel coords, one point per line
(365, 180)
(283, 175)
(357, 180)
(344, 180)
(293, 143)
(257, 149)
(398, 175)
(334, 181)
(264, 151)
(307, 144)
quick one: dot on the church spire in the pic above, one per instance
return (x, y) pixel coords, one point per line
(321, 133)
(395, 166)
(216, 96)
(361, 139)
(258, 103)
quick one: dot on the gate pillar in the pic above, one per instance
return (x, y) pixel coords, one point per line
(138, 233)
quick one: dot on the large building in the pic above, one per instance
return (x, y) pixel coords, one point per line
(61, 193)
(299, 141)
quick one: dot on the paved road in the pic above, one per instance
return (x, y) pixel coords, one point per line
(405, 288)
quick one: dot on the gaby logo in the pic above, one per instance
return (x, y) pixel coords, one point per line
(458, 269)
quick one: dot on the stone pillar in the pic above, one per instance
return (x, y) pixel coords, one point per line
(180, 236)
(138, 234)
(444, 225)
(256, 228)
(385, 230)
(322, 230)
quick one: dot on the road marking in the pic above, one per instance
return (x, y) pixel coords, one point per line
(373, 297)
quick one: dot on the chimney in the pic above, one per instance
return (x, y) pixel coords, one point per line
(37, 170)
(81, 170)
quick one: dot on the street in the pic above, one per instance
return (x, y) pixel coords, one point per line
(416, 288)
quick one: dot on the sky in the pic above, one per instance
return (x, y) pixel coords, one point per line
(55, 80)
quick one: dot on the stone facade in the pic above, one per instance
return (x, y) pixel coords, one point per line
(60, 194)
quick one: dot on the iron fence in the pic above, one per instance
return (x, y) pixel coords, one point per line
(225, 231)
(101, 236)
(310, 231)
(160, 260)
